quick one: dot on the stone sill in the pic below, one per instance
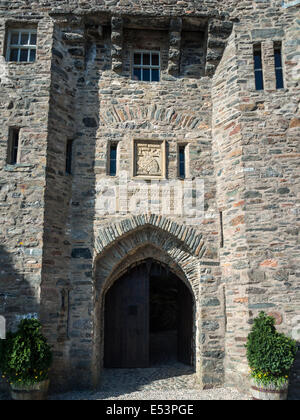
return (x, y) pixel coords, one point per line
(19, 167)
(20, 63)
(266, 93)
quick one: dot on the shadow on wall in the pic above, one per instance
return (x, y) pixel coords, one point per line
(17, 296)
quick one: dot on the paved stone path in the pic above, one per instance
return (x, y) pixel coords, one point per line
(168, 382)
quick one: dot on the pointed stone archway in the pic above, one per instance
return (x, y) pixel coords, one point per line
(123, 244)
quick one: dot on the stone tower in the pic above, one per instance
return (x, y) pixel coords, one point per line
(157, 130)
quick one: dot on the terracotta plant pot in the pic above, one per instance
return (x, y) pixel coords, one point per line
(268, 392)
(38, 391)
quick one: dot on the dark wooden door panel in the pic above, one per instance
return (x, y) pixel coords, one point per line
(127, 321)
(127, 307)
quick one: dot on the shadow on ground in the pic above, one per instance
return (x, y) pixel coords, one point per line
(169, 376)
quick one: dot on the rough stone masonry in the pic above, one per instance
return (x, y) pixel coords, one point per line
(82, 85)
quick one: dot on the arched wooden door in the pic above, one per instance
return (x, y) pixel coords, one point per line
(126, 340)
(127, 311)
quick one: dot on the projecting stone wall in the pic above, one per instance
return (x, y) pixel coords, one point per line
(55, 288)
(256, 154)
(24, 103)
(113, 108)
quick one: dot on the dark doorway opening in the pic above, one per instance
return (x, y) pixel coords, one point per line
(163, 318)
(148, 318)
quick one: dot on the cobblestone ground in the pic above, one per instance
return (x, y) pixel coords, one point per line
(174, 381)
(169, 382)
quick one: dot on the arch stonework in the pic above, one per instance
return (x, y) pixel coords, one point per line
(124, 116)
(181, 248)
(190, 238)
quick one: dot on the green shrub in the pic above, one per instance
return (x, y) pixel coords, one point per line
(25, 356)
(270, 354)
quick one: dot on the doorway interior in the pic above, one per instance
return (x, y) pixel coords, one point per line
(148, 318)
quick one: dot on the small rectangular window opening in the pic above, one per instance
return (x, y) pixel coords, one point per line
(278, 65)
(181, 153)
(69, 150)
(21, 45)
(146, 66)
(258, 69)
(13, 146)
(113, 159)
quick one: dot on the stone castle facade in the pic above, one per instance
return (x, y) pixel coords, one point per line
(159, 90)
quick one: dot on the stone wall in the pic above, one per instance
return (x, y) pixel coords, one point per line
(242, 143)
(110, 107)
(67, 63)
(24, 104)
(257, 173)
(230, 187)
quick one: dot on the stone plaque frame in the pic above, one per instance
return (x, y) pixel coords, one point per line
(149, 159)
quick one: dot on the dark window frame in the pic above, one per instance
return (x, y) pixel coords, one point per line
(146, 66)
(112, 166)
(278, 65)
(182, 170)
(20, 51)
(258, 66)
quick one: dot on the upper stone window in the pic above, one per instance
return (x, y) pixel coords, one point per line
(146, 66)
(258, 67)
(278, 65)
(21, 45)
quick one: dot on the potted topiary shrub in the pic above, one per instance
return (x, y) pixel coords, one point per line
(25, 360)
(270, 357)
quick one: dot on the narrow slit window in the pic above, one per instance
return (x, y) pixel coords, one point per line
(181, 153)
(221, 230)
(278, 65)
(69, 152)
(258, 69)
(63, 300)
(13, 146)
(113, 159)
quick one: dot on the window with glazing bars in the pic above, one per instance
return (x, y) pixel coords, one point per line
(21, 45)
(146, 66)
(258, 69)
(112, 170)
(181, 156)
(278, 65)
